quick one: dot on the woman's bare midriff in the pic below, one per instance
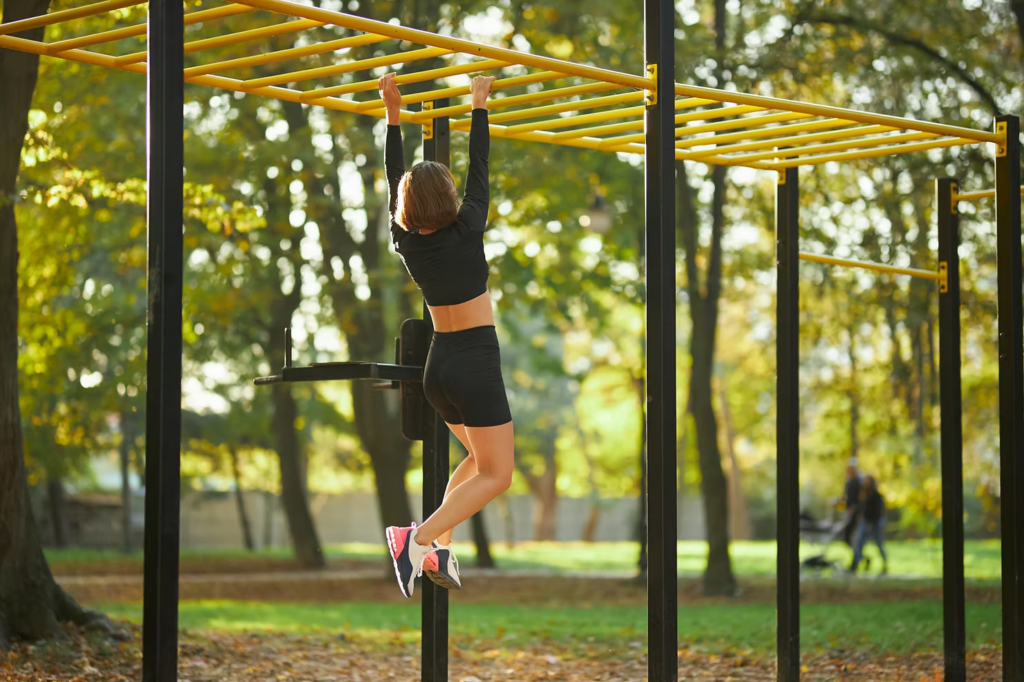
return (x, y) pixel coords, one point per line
(476, 312)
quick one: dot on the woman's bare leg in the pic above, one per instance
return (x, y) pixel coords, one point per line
(492, 448)
(462, 473)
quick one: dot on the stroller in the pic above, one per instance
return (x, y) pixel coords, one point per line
(819, 534)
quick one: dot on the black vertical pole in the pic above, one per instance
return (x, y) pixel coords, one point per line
(954, 639)
(164, 204)
(1011, 394)
(787, 438)
(434, 614)
(660, 251)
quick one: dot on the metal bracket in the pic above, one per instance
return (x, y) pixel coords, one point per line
(954, 199)
(651, 96)
(428, 125)
(943, 277)
(1001, 146)
(782, 176)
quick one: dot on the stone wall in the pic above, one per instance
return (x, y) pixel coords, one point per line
(209, 520)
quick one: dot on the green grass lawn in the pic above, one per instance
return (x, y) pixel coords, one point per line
(917, 558)
(899, 627)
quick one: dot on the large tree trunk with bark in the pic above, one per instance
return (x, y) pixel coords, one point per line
(32, 605)
(718, 578)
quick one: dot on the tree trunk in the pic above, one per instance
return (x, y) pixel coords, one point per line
(57, 498)
(545, 494)
(243, 515)
(125, 453)
(593, 518)
(268, 518)
(483, 546)
(293, 494)
(32, 605)
(389, 453)
(641, 521)
(718, 577)
(854, 396)
(739, 519)
(505, 510)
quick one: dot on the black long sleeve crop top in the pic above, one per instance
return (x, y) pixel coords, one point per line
(448, 265)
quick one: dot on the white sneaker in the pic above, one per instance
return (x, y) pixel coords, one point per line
(441, 566)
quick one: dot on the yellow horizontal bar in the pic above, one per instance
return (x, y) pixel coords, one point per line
(713, 127)
(140, 30)
(528, 98)
(567, 121)
(232, 38)
(878, 151)
(550, 109)
(836, 112)
(434, 95)
(797, 142)
(979, 194)
(417, 77)
(683, 155)
(770, 131)
(348, 67)
(577, 105)
(453, 44)
(83, 56)
(543, 136)
(836, 146)
(867, 265)
(67, 15)
(283, 55)
(680, 118)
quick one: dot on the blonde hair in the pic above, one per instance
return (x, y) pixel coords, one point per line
(427, 199)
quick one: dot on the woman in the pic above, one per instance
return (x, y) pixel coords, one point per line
(440, 239)
(872, 521)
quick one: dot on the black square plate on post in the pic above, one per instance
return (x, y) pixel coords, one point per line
(413, 344)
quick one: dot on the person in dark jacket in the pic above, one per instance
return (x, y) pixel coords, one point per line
(851, 500)
(872, 523)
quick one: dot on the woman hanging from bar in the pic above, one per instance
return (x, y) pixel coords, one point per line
(440, 239)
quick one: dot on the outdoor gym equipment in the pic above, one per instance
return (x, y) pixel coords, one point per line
(648, 114)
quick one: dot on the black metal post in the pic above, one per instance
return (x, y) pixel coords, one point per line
(1011, 394)
(660, 254)
(954, 640)
(164, 205)
(434, 614)
(787, 247)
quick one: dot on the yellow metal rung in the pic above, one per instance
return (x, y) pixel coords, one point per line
(67, 15)
(349, 67)
(284, 55)
(417, 77)
(867, 265)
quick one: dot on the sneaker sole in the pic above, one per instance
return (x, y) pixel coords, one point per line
(394, 560)
(442, 580)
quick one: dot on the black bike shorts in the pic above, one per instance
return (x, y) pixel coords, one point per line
(462, 378)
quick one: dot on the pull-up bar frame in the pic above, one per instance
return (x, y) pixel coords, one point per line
(766, 133)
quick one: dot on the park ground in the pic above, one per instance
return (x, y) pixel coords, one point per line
(553, 612)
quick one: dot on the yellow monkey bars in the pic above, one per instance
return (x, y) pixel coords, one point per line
(537, 98)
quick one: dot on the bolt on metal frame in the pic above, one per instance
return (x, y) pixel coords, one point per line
(553, 101)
